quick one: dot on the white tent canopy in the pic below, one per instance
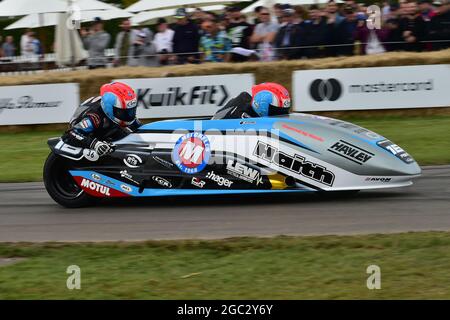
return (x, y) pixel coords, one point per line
(51, 19)
(68, 47)
(146, 5)
(270, 3)
(11, 8)
(150, 17)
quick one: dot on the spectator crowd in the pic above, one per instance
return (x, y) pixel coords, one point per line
(30, 46)
(280, 32)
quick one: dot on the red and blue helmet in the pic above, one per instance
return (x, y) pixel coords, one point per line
(119, 102)
(270, 99)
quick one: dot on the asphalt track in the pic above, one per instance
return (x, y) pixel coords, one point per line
(27, 213)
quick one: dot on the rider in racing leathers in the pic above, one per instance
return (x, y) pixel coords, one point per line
(267, 99)
(104, 118)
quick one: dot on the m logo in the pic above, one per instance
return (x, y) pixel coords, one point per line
(191, 152)
(321, 90)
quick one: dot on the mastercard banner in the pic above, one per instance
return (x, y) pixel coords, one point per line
(422, 86)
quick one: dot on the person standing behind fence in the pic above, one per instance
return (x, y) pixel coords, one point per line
(413, 27)
(264, 35)
(440, 27)
(37, 45)
(24, 39)
(239, 32)
(214, 44)
(278, 13)
(96, 40)
(287, 37)
(123, 45)
(163, 41)
(32, 48)
(336, 30)
(8, 48)
(426, 9)
(316, 32)
(348, 31)
(392, 23)
(27, 48)
(185, 39)
(144, 51)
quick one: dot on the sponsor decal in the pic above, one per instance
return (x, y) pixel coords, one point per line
(163, 162)
(90, 155)
(329, 90)
(96, 177)
(221, 181)
(197, 182)
(67, 148)
(162, 182)
(306, 134)
(76, 135)
(391, 87)
(126, 175)
(396, 151)
(378, 179)
(132, 103)
(247, 122)
(132, 160)
(191, 152)
(332, 89)
(85, 124)
(175, 96)
(126, 188)
(244, 172)
(295, 163)
(110, 183)
(95, 118)
(96, 187)
(354, 128)
(351, 152)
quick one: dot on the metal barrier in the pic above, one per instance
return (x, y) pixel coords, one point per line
(19, 65)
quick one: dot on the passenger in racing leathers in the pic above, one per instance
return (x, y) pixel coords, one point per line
(108, 117)
(267, 99)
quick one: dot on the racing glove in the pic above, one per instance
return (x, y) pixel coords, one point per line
(101, 147)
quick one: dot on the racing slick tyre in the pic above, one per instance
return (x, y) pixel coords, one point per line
(60, 184)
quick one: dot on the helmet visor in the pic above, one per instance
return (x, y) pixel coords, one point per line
(277, 111)
(126, 115)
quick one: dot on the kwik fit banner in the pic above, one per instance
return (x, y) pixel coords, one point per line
(187, 96)
(372, 88)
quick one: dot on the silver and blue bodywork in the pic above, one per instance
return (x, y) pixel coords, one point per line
(292, 153)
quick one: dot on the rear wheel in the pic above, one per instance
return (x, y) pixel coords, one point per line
(60, 184)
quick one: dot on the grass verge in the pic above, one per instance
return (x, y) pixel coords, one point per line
(413, 266)
(427, 139)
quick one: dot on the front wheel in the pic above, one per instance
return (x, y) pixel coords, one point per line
(60, 184)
